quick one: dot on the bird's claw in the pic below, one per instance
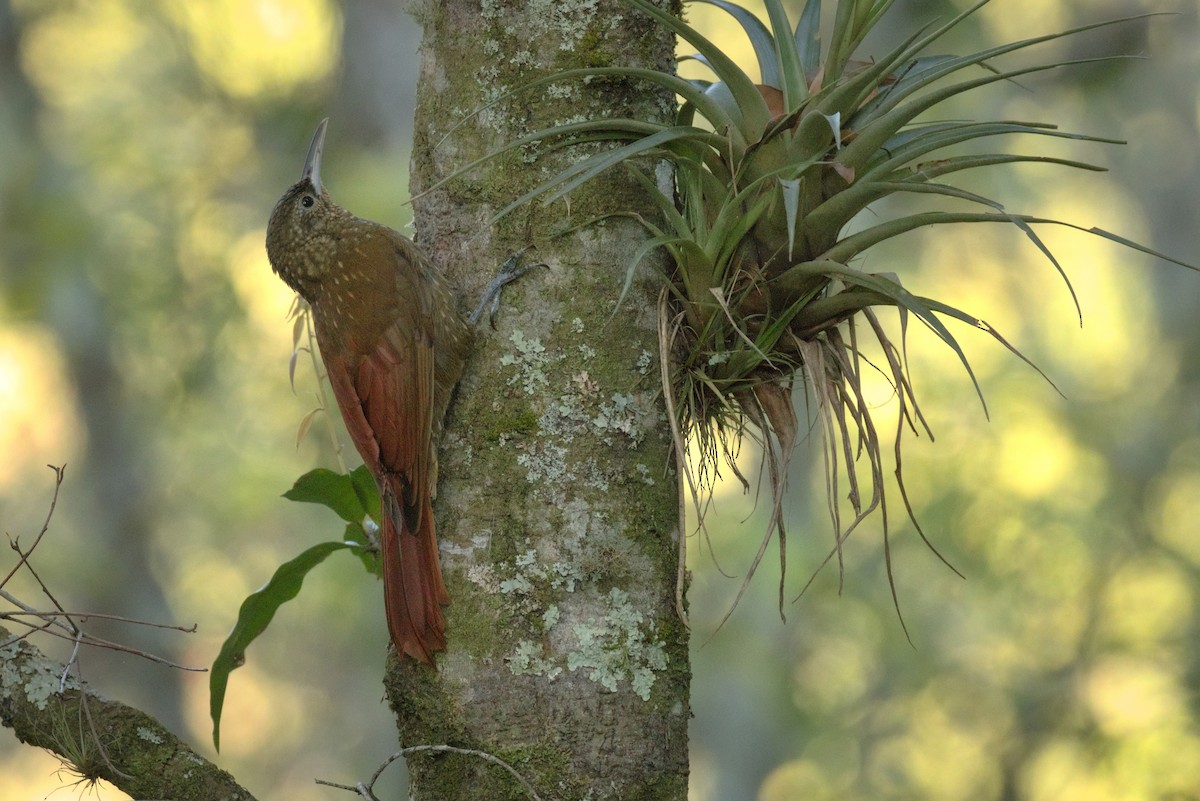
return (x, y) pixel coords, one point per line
(510, 271)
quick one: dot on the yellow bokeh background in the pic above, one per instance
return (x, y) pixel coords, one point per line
(144, 342)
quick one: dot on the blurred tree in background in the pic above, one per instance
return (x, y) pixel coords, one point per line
(143, 341)
(143, 147)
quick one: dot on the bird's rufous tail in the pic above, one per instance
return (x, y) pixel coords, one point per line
(413, 590)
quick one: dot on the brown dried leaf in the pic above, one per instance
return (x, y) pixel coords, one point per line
(774, 99)
(298, 328)
(305, 424)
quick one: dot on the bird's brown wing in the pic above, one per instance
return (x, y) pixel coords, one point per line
(379, 358)
(374, 328)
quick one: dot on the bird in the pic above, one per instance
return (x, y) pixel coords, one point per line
(394, 347)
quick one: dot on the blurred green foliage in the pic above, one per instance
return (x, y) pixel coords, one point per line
(1066, 665)
(144, 341)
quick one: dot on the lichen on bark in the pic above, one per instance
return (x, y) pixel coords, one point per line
(97, 738)
(557, 506)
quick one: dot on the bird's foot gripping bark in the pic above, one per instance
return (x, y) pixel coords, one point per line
(510, 271)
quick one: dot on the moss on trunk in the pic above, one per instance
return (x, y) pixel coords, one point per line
(557, 505)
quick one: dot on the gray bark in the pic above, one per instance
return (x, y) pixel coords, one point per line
(98, 738)
(558, 503)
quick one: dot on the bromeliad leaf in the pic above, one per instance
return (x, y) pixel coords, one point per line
(754, 115)
(760, 39)
(760, 228)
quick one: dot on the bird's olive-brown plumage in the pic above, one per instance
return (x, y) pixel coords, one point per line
(393, 345)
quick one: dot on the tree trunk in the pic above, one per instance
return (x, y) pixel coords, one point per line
(558, 507)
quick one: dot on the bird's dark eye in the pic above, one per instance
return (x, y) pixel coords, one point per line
(307, 201)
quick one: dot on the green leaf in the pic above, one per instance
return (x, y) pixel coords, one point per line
(839, 209)
(975, 322)
(795, 85)
(367, 491)
(558, 77)
(760, 40)
(791, 207)
(368, 554)
(335, 490)
(733, 223)
(641, 253)
(255, 615)
(754, 113)
(849, 93)
(840, 41)
(808, 37)
(869, 14)
(770, 335)
(890, 289)
(939, 167)
(563, 182)
(1129, 243)
(589, 130)
(891, 116)
(944, 67)
(666, 205)
(919, 141)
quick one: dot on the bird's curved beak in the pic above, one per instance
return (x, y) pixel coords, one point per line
(312, 165)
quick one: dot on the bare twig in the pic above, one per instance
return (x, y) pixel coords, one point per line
(85, 616)
(152, 762)
(99, 642)
(59, 622)
(24, 555)
(366, 790)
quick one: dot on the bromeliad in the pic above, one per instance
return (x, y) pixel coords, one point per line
(768, 177)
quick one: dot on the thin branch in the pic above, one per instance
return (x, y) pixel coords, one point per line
(52, 621)
(25, 609)
(58, 480)
(367, 790)
(84, 616)
(151, 763)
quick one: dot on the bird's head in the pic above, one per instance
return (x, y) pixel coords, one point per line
(303, 232)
